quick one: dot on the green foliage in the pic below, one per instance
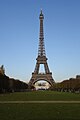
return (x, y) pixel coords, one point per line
(73, 85)
(10, 84)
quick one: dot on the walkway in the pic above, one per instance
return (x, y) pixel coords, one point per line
(19, 102)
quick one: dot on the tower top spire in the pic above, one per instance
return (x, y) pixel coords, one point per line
(41, 15)
(41, 10)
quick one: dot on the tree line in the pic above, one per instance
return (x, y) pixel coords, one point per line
(11, 85)
(71, 85)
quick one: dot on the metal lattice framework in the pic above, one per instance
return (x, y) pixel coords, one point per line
(41, 59)
(41, 49)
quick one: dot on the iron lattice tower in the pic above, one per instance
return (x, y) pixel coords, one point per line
(41, 59)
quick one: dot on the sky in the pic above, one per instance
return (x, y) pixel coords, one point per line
(19, 37)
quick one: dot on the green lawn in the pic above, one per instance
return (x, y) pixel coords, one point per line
(37, 111)
(39, 95)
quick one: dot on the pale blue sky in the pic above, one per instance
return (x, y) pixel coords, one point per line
(19, 37)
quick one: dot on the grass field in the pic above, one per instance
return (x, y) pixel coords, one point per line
(40, 112)
(45, 111)
(39, 95)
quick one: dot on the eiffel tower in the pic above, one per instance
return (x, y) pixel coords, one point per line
(41, 59)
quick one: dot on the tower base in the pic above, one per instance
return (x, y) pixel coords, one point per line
(41, 76)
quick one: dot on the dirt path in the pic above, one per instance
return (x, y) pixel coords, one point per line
(26, 102)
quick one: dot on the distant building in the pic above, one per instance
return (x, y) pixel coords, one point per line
(2, 70)
(42, 85)
(77, 76)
